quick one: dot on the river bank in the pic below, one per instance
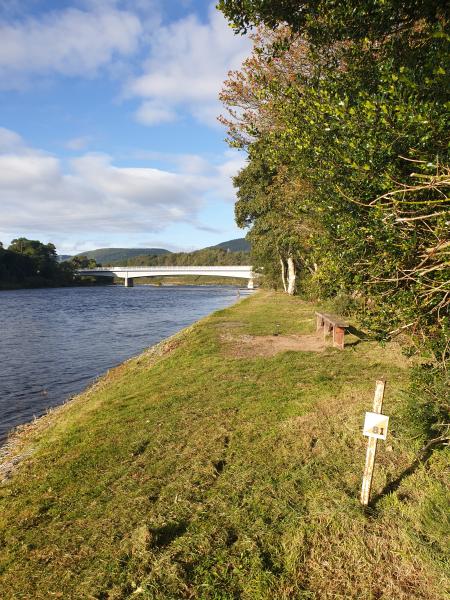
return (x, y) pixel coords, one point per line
(56, 341)
(220, 465)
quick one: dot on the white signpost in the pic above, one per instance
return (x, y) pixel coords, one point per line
(375, 428)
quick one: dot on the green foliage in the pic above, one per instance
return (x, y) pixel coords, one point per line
(30, 263)
(363, 124)
(236, 245)
(328, 20)
(427, 405)
(43, 256)
(207, 257)
(109, 256)
(83, 262)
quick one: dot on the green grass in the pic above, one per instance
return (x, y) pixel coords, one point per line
(190, 473)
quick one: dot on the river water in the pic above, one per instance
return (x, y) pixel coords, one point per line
(54, 342)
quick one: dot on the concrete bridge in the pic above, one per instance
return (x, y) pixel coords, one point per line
(131, 273)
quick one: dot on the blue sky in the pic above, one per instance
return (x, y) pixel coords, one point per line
(108, 130)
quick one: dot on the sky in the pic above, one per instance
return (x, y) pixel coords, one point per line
(108, 123)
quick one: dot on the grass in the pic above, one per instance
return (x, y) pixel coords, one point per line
(190, 473)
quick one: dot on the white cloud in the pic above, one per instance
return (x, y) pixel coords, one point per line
(152, 113)
(90, 195)
(188, 62)
(78, 143)
(66, 42)
(9, 139)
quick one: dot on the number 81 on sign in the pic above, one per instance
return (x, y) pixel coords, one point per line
(375, 425)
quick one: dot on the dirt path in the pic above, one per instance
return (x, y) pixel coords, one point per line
(269, 345)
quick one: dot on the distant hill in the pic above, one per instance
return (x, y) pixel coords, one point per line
(136, 256)
(233, 252)
(237, 245)
(63, 257)
(110, 255)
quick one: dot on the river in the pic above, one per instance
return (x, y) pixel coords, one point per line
(54, 342)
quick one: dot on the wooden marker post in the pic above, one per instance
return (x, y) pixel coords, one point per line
(372, 444)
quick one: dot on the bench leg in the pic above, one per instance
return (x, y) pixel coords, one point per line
(319, 323)
(338, 337)
(327, 327)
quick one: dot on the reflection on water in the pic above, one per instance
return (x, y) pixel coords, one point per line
(55, 341)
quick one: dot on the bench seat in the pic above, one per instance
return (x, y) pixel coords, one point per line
(332, 323)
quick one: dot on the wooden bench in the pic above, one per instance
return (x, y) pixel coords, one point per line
(332, 323)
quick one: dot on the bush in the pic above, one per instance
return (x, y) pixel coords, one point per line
(427, 408)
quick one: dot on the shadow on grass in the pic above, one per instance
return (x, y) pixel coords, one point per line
(423, 457)
(361, 335)
(164, 535)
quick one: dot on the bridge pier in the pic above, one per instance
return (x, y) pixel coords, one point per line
(250, 284)
(129, 282)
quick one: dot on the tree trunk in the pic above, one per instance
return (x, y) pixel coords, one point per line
(291, 276)
(283, 274)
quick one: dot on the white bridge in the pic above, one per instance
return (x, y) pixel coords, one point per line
(131, 273)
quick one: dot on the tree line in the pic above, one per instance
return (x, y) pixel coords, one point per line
(205, 256)
(30, 263)
(343, 111)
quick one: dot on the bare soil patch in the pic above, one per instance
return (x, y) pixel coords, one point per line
(269, 345)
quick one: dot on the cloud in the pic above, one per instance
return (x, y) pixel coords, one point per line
(90, 195)
(188, 62)
(69, 42)
(78, 143)
(9, 139)
(152, 113)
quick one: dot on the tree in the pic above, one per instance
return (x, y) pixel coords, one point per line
(30, 263)
(327, 21)
(42, 255)
(83, 262)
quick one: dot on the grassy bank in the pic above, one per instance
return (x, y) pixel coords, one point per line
(212, 467)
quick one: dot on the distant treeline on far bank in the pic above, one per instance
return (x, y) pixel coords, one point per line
(30, 263)
(205, 257)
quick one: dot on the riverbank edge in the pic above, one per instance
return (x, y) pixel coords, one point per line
(13, 451)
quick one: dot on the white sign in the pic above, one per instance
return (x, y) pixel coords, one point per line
(376, 425)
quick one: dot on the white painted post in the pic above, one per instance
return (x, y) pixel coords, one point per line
(250, 284)
(372, 446)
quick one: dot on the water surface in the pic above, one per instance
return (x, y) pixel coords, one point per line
(54, 342)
